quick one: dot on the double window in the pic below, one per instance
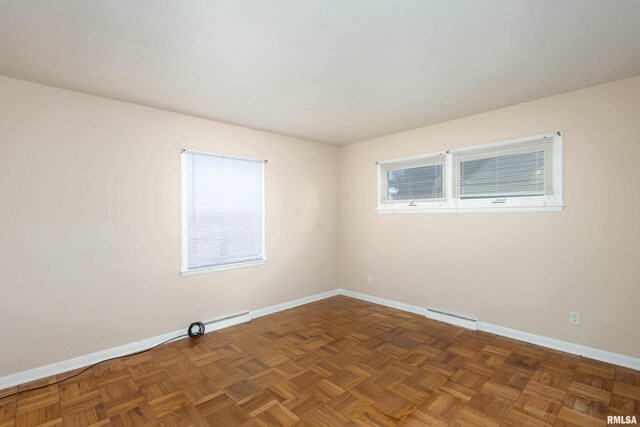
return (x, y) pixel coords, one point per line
(222, 212)
(517, 175)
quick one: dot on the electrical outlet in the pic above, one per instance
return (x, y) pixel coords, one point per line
(370, 280)
(574, 318)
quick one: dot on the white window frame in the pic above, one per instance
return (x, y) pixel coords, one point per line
(185, 271)
(451, 204)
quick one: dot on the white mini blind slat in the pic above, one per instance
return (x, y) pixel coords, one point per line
(224, 210)
(511, 170)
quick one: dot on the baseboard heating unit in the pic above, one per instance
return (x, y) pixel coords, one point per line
(454, 319)
(225, 322)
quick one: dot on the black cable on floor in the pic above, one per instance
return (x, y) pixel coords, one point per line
(91, 366)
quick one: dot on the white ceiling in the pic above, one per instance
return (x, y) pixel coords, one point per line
(335, 71)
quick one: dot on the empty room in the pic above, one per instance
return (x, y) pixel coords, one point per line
(319, 213)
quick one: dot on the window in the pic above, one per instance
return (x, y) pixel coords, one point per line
(223, 212)
(518, 175)
(413, 180)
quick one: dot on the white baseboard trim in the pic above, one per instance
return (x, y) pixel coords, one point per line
(383, 301)
(82, 361)
(581, 350)
(123, 350)
(294, 303)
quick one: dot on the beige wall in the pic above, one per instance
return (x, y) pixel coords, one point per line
(520, 270)
(90, 224)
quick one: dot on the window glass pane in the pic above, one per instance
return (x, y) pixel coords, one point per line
(503, 176)
(415, 183)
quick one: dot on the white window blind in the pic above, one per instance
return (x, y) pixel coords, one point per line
(223, 211)
(416, 179)
(510, 170)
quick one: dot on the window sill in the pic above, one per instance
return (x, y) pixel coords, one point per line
(195, 271)
(555, 208)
